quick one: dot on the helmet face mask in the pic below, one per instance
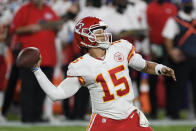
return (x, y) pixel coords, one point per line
(102, 38)
(86, 36)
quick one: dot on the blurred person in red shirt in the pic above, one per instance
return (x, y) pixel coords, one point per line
(158, 11)
(28, 24)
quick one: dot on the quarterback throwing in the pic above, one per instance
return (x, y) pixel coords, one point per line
(104, 71)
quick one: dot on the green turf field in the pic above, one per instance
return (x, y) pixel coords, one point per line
(80, 128)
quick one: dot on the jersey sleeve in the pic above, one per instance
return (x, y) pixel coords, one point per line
(131, 53)
(127, 48)
(134, 59)
(171, 29)
(137, 62)
(74, 70)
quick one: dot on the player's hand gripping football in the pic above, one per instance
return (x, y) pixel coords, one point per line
(37, 65)
(168, 72)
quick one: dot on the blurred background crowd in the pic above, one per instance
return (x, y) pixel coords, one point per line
(161, 30)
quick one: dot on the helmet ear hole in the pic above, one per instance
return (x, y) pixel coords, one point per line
(82, 38)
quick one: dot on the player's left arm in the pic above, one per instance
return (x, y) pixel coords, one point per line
(139, 64)
(158, 69)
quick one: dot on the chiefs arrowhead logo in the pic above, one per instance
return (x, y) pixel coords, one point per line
(118, 57)
(78, 27)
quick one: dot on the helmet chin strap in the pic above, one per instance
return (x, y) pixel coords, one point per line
(100, 45)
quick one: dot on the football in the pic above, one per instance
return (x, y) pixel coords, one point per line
(28, 57)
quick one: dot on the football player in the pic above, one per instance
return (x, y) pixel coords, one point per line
(104, 71)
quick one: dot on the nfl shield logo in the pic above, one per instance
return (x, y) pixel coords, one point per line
(118, 57)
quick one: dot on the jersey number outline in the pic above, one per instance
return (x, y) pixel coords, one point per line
(116, 82)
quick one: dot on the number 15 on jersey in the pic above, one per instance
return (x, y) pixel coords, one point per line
(116, 82)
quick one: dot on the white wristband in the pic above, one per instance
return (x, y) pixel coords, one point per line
(158, 69)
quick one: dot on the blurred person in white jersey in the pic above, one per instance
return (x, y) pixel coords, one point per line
(104, 71)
